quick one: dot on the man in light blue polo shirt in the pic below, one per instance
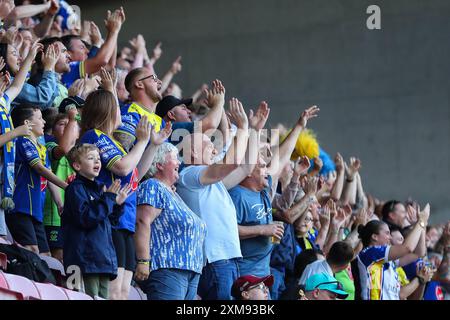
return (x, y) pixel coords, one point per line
(203, 186)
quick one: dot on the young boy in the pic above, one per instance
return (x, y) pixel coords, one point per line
(31, 175)
(86, 221)
(60, 138)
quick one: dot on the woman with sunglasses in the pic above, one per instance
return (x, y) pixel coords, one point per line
(378, 261)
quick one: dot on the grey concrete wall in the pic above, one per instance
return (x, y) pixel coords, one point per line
(384, 95)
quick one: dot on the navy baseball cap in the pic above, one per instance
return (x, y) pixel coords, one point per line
(169, 102)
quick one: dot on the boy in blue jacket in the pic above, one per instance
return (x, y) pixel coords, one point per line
(89, 211)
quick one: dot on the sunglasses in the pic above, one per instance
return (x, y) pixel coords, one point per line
(260, 286)
(338, 284)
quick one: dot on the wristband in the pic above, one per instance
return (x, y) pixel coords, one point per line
(348, 180)
(421, 281)
(144, 261)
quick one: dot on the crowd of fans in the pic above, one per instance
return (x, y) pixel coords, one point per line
(106, 167)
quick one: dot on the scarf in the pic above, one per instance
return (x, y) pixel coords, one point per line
(8, 156)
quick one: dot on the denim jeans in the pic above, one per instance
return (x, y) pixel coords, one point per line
(217, 279)
(278, 284)
(171, 284)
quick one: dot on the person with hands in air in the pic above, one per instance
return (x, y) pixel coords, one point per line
(81, 64)
(379, 259)
(101, 117)
(38, 94)
(202, 184)
(90, 209)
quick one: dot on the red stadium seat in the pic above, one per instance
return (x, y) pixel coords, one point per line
(49, 291)
(74, 295)
(23, 285)
(3, 261)
(3, 283)
(6, 294)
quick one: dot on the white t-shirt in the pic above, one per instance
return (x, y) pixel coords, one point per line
(319, 266)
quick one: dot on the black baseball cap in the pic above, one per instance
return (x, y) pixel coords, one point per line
(70, 102)
(169, 102)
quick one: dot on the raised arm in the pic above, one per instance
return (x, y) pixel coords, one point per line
(26, 11)
(338, 186)
(113, 25)
(174, 69)
(411, 241)
(257, 121)
(217, 172)
(349, 195)
(43, 28)
(156, 140)
(283, 153)
(126, 165)
(69, 137)
(216, 101)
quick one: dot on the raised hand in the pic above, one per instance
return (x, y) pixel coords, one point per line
(114, 187)
(176, 66)
(108, 79)
(424, 215)
(309, 113)
(123, 193)
(138, 43)
(411, 215)
(301, 167)
(157, 51)
(143, 130)
(215, 96)
(353, 168)
(237, 114)
(114, 21)
(339, 162)
(311, 186)
(5, 82)
(94, 34)
(54, 7)
(160, 137)
(34, 49)
(77, 88)
(50, 57)
(258, 120)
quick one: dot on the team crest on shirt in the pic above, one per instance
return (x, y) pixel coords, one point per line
(43, 184)
(134, 181)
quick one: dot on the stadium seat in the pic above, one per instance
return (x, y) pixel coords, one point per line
(134, 294)
(49, 291)
(3, 261)
(74, 295)
(23, 285)
(3, 283)
(53, 264)
(6, 294)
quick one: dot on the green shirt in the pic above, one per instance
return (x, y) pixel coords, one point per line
(62, 169)
(347, 282)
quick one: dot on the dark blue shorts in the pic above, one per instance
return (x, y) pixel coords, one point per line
(54, 237)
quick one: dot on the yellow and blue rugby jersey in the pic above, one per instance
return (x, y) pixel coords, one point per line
(132, 114)
(77, 71)
(29, 194)
(111, 151)
(378, 275)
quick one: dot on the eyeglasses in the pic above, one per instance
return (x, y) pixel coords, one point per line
(153, 76)
(261, 286)
(337, 283)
